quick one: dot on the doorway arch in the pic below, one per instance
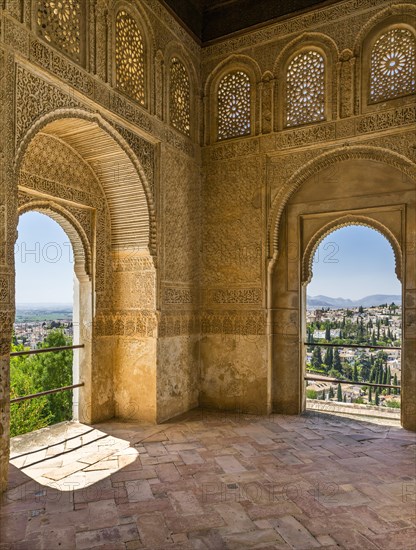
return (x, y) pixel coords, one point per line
(336, 189)
(78, 167)
(364, 258)
(82, 293)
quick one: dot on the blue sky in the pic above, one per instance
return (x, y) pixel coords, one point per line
(352, 262)
(44, 261)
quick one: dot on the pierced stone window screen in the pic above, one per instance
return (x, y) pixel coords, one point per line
(179, 97)
(393, 66)
(305, 89)
(130, 58)
(234, 105)
(60, 23)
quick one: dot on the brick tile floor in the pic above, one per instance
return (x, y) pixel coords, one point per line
(212, 481)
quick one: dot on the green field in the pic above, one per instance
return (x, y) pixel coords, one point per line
(27, 315)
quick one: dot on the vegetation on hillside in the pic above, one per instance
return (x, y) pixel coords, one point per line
(36, 373)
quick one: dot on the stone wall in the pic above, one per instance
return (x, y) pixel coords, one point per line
(252, 248)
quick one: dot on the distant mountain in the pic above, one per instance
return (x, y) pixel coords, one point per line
(43, 306)
(42, 312)
(367, 301)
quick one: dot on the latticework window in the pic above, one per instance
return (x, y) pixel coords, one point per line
(130, 61)
(60, 24)
(393, 65)
(179, 97)
(234, 105)
(305, 89)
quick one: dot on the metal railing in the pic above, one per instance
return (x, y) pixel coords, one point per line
(43, 350)
(46, 392)
(368, 346)
(351, 382)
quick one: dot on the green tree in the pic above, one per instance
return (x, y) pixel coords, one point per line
(329, 358)
(337, 361)
(370, 397)
(316, 361)
(395, 391)
(377, 399)
(355, 373)
(365, 367)
(389, 380)
(32, 414)
(55, 371)
(339, 392)
(327, 333)
(311, 394)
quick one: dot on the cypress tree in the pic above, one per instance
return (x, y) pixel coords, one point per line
(377, 400)
(339, 392)
(316, 361)
(355, 374)
(329, 358)
(389, 380)
(395, 391)
(337, 361)
(327, 333)
(370, 397)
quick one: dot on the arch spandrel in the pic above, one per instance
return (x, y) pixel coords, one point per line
(326, 160)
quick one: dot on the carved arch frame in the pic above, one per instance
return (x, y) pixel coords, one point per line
(175, 49)
(119, 140)
(135, 10)
(323, 161)
(306, 42)
(388, 19)
(233, 63)
(83, 294)
(81, 245)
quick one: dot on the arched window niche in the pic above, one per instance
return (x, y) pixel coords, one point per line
(392, 65)
(63, 25)
(305, 96)
(386, 74)
(179, 96)
(307, 82)
(130, 58)
(232, 100)
(234, 105)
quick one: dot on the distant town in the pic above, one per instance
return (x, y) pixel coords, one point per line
(33, 322)
(379, 327)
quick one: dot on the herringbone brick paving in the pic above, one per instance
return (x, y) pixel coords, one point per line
(213, 481)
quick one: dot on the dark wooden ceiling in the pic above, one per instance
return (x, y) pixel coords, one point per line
(213, 19)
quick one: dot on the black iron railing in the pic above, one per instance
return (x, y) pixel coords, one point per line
(44, 350)
(46, 392)
(351, 382)
(367, 346)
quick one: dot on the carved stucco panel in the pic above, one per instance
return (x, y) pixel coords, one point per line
(181, 196)
(232, 222)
